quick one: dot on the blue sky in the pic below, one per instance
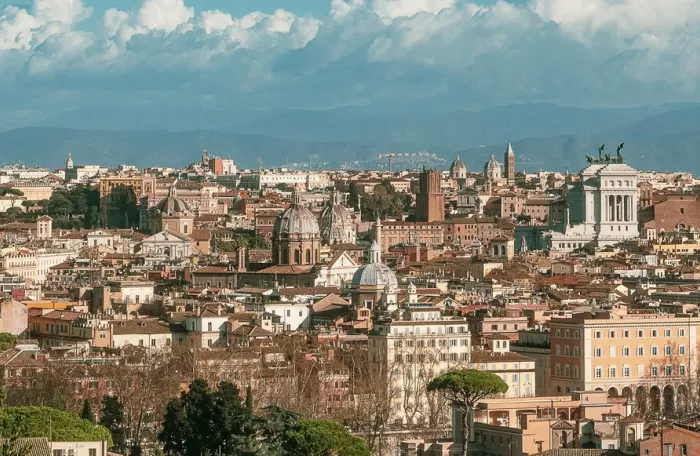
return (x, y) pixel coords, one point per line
(275, 54)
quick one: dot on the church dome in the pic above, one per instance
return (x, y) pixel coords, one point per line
(336, 223)
(492, 169)
(376, 275)
(457, 166)
(172, 204)
(296, 220)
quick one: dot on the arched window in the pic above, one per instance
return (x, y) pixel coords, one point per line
(297, 256)
(632, 437)
(308, 256)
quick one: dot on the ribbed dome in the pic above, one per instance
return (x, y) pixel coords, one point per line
(172, 204)
(376, 275)
(336, 223)
(492, 169)
(296, 220)
(457, 165)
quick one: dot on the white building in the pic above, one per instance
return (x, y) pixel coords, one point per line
(137, 292)
(169, 244)
(148, 333)
(48, 258)
(9, 201)
(20, 263)
(600, 210)
(406, 354)
(273, 178)
(207, 328)
(78, 448)
(100, 238)
(337, 272)
(294, 316)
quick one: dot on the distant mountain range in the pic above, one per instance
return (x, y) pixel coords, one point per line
(543, 135)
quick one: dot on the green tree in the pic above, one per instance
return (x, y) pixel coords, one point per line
(463, 389)
(7, 340)
(383, 202)
(353, 195)
(249, 399)
(113, 421)
(206, 421)
(173, 436)
(59, 205)
(86, 414)
(13, 212)
(50, 422)
(323, 438)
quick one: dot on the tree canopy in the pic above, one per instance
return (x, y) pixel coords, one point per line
(463, 389)
(49, 422)
(385, 201)
(323, 438)
(206, 421)
(467, 386)
(7, 340)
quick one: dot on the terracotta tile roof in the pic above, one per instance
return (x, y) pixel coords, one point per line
(212, 270)
(283, 269)
(66, 315)
(38, 446)
(140, 326)
(251, 331)
(308, 291)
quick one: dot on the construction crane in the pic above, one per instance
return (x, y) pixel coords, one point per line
(260, 163)
(390, 157)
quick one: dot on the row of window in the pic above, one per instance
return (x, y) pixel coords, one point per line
(654, 351)
(422, 357)
(408, 330)
(612, 333)
(431, 343)
(668, 371)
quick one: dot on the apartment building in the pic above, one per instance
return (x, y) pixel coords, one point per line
(646, 357)
(406, 354)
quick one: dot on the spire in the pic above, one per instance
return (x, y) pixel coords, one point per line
(509, 149)
(378, 231)
(173, 191)
(375, 251)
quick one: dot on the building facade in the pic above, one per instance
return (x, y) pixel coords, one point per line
(645, 357)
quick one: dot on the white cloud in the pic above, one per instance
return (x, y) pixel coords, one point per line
(16, 28)
(404, 8)
(65, 11)
(341, 8)
(164, 15)
(595, 50)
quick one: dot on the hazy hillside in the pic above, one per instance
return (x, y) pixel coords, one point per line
(49, 146)
(675, 152)
(445, 131)
(544, 136)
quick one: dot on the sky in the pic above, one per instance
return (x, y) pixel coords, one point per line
(426, 54)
